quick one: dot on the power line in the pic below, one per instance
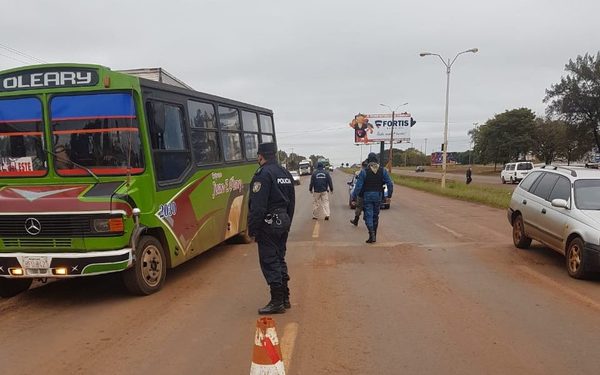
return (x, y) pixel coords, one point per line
(23, 54)
(14, 58)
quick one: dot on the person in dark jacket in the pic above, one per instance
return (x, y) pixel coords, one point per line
(359, 201)
(469, 172)
(369, 184)
(320, 182)
(272, 203)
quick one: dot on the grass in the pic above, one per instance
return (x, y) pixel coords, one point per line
(484, 194)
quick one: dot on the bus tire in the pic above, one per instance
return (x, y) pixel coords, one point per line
(12, 287)
(147, 275)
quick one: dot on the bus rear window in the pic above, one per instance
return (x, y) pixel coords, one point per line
(98, 131)
(21, 138)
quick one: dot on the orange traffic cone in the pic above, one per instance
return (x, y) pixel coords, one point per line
(266, 357)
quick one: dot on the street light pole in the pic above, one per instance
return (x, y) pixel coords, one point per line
(392, 134)
(448, 69)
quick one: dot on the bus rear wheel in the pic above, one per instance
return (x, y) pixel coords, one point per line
(147, 275)
(12, 287)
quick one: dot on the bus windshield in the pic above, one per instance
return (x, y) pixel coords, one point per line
(98, 131)
(21, 138)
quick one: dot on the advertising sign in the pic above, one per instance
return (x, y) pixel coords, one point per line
(375, 128)
(437, 158)
(24, 164)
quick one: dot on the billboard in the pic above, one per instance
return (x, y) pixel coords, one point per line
(437, 158)
(375, 128)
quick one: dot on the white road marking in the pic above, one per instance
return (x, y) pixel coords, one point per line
(290, 332)
(556, 285)
(316, 230)
(455, 234)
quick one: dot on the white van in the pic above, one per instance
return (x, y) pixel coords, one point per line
(515, 172)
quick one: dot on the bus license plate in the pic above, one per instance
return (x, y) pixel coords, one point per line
(36, 262)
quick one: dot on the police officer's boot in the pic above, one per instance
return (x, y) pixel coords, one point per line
(355, 221)
(286, 296)
(275, 306)
(371, 236)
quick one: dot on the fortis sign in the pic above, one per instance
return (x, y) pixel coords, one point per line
(48, 78)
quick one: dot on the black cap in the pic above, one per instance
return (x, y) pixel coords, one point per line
(267, 148)
(372, 158)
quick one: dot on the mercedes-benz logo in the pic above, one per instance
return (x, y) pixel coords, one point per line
(33, 226)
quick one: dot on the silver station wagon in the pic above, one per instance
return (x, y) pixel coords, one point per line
(560, 207)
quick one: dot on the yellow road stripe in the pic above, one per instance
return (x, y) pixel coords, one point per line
(455, 234)
(287, 344)
(316, 230)
(558, 286)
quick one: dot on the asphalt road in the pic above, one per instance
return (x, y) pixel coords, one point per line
(443, 291)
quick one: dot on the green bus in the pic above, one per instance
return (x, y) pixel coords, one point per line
(103, 171)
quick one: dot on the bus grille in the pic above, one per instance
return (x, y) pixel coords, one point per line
(51, 225)
(37, 242)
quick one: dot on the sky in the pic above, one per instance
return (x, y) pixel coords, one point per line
(318, 63)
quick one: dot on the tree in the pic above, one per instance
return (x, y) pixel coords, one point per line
(506, 137)
(576, 98)
(548, 139)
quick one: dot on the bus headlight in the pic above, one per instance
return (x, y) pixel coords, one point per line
(112, 225)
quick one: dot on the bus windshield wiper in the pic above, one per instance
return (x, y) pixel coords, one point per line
(72, 162)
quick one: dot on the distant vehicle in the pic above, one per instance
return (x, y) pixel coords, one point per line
(330, 168)
(559, 207)
(296, 177)
(326, 163)
(420, 168)
(515, 172)
(305, 167)
(385, 203)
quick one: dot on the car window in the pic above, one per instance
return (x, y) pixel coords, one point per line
(524, 166)
(562, 189)
(587, 194)
(545, 186)
(529, 180)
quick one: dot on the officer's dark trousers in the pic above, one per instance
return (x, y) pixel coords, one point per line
(371, 204)
(271, 253)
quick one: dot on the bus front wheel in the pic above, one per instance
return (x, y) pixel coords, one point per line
(147, 275)
(12, 287)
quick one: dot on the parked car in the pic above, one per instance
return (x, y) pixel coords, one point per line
(420, 168)
(296, 177)
(515, 172)
(560, 207)
(385, 203)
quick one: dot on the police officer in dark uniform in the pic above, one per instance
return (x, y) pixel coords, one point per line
(272, 201)
(369, 184)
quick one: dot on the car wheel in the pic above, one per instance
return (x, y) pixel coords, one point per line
(503, 180)
(147, 275)
(519, 238)
(575, 260)
(12, 287)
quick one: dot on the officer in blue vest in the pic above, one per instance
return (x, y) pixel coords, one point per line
(369, 185)
(272, 202)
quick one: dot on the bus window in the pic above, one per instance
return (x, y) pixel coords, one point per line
(250, 125)
(21, 138)
(98, 131)
(251, 143)
(205, 137)
(266, 124)
(229, 120)
(171, 157)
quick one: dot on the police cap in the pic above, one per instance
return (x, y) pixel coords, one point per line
(267, 148)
